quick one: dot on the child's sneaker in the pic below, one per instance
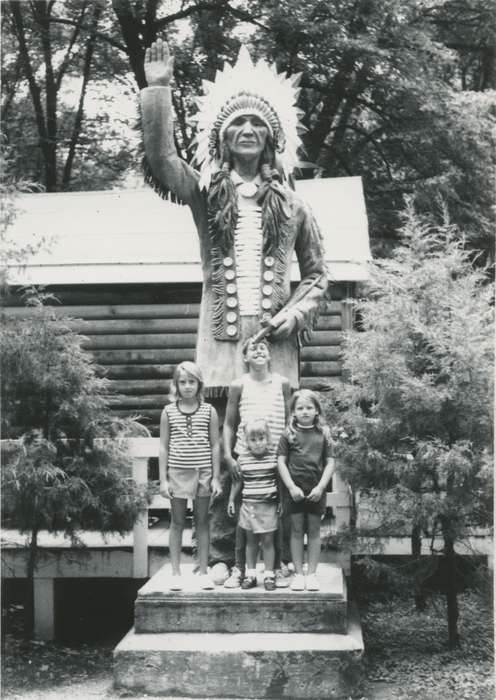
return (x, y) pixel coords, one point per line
(176, 582)
(298, 583)
(282, 579)
(234, 580)
(312, 584)
(206, 583)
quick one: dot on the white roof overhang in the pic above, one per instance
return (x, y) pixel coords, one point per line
(134, 236)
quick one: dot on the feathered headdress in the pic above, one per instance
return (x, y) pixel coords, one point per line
(241, 89)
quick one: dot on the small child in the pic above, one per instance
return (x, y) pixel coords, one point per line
(258, 393)
(306, 465)
(189, 464)
(258, 515)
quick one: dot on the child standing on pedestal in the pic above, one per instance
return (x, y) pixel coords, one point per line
(259, 393)
(306, 465)
(258, 515)
(189, 464)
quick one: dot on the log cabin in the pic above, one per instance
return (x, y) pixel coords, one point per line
(125, 265)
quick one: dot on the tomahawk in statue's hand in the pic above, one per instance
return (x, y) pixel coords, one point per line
(159, 64)
(283, 324)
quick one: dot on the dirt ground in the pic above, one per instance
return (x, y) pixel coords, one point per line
(406, 658)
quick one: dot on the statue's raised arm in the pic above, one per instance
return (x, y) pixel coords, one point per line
(249, 220)
(159, 64)
(169, 174)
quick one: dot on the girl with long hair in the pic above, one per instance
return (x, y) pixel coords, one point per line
(189, 464)
(306, 465)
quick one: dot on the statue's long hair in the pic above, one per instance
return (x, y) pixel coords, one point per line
(223, 205)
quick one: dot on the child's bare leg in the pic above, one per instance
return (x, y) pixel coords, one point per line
(251, 550)
(268, 550)
(313, 534)
(178, 518)
(240, 549)
(297, 532)
(202, 531)
(278, 546)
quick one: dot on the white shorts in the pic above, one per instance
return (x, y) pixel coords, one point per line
(189, 483)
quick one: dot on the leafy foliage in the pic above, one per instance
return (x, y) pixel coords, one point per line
(400, 93)
(11, 186)
(67, 470)
(381, 102)
(415, 420)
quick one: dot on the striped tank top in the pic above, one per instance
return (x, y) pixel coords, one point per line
(261, 400)
(259, 478)
(189, 437)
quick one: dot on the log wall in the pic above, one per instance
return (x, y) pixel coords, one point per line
(138, 333)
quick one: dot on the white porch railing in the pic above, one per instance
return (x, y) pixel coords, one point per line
(141, 449)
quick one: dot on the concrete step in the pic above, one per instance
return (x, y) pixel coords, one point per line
(250, 665)
(158, 609)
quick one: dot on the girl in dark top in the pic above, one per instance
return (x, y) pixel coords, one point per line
(306, 465)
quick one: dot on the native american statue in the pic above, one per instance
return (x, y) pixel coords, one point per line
(249, 219)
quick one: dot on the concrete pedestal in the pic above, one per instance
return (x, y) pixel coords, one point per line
(243, 644)
(285, 665)
(158, 609)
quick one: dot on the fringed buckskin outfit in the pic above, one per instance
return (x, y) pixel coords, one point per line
(246, 272)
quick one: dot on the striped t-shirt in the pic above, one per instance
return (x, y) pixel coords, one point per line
(259, 478)
(189, 437)
(265, 400)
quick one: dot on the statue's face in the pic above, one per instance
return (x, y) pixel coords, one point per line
(246, 136)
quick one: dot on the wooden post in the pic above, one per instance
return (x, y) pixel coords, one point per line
(342, 515)
(141, 449)
(44, 608)
(140, 530)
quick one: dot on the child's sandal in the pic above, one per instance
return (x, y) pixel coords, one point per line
(270, 583)
(248, 582)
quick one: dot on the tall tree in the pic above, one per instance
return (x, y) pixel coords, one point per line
(416, 416)
(396, 92)
(38, 44)
(380, 102)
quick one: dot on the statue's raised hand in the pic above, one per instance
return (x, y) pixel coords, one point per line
(159, 64)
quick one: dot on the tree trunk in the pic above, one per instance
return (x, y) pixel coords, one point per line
(78, 120)
(41, 12)
(30, 570)
(131, 30)
(416, 541)
(34, 88)
(450, 583)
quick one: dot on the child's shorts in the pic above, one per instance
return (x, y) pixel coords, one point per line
(258, 517)
(304, 506)
(189, 483)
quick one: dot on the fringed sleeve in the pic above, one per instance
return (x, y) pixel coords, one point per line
(308, 296)
(170, 176)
